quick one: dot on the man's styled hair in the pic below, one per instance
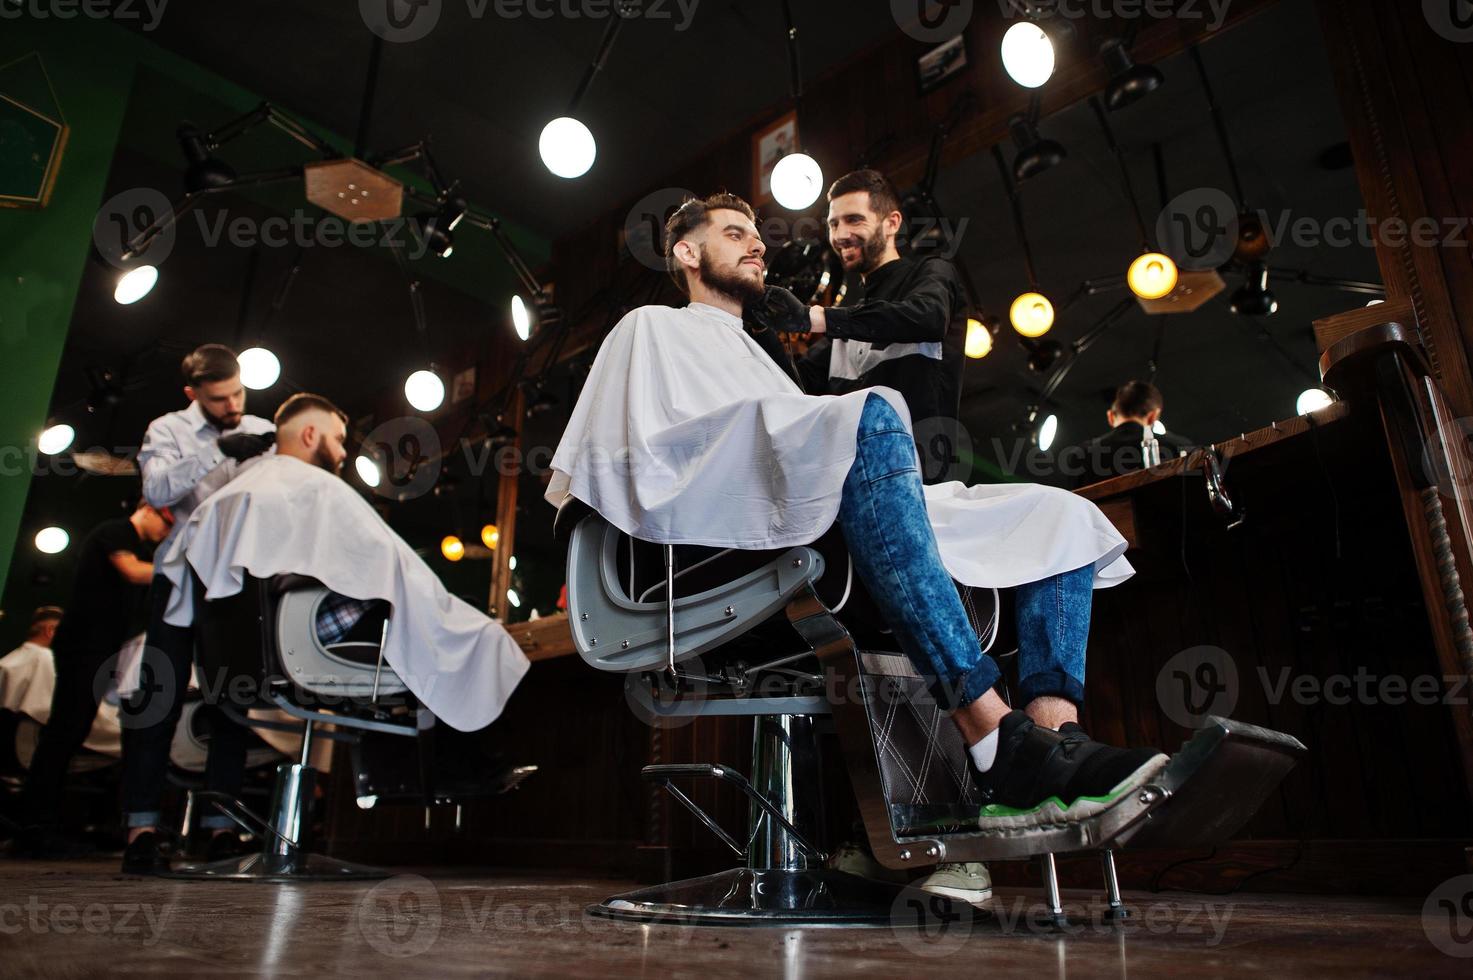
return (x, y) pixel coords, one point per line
(209, 362)
(39, 619)
(305, 401)
(1137, 399)
(690, 216)
(882, 196)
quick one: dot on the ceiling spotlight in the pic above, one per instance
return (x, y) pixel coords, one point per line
(1129, 82)
(52, 540)
(259, 368)
(521, 317)
(1255, 298)
(1312, 400)
(511, 563)
(1043, 354)
(1035, 154)
(979, 339)
(513, 598)
(491, 536)
(424, 390)
(797, 180)
(1047, 431)
(56, 439)
(1152, 276)
(1032, 314)
(205, 172)
(1028, 54)
(135, 284)
(567, 147)
(368, 471)
(1158, 427)
(452, 548)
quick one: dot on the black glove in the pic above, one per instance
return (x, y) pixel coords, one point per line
(778, 309)
(241, 446)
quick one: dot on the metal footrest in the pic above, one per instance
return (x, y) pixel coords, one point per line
(662, 774)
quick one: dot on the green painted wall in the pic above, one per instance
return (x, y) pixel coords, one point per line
(93, 65)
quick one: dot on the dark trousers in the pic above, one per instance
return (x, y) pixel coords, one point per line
(80, 680)
(150, 716)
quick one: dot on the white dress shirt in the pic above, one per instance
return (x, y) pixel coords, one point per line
(181, 463)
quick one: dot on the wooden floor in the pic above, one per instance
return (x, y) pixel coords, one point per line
(83, 919)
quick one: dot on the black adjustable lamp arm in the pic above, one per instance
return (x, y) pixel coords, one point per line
(1125, 181)
(1010, 187)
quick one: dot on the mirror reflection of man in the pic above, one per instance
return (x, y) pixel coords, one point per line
(1134, 413)
(186, 456)
(112, 576)
(907, 331)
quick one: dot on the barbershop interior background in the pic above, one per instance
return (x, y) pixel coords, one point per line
(1303, 164)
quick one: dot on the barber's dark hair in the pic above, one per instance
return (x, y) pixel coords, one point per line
(882, 196)
(305, 401)
(1135, 399)
(209, 362)
(39, 619)
(690, 216)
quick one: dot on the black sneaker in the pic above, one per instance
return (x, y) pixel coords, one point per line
(1041, 777)
(146, 854)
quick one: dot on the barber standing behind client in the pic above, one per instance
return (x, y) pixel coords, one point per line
(1131, 444)
(905, 334)
(186, 456)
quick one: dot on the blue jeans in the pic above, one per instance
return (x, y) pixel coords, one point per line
(883, 516)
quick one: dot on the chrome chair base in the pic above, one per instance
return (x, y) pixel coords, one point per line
(279, 869)
(766, 897)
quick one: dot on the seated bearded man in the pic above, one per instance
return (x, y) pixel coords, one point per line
(289, 512)
(686, 432)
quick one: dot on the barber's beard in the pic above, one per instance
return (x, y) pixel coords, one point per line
(222, 424)
(731, 283)
(871, 252)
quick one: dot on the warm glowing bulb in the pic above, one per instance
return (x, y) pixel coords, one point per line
(55, 439)
(135, 284)
(52, 540)
(1032, 314)
(490, 536)
(1028, 55)
(425, 390)
(1152, 276)
(797, 180)
(367, 471)
(1312, 400)
(979, 339)
(567, 147)
(259, 368)
(452, 547)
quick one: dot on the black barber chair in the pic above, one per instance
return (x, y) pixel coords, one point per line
(259, 649)
(694, 630)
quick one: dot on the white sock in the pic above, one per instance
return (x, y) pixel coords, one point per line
(984, 752)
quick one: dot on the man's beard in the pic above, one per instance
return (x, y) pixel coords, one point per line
(221, 423)
(322, 459)
(731, 284)
(871, 251)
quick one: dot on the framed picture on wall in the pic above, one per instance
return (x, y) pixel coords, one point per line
(769, 145)
(33, 134)
(941, 64)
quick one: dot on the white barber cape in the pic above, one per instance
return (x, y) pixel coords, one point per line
(687, 433)
(282, 515)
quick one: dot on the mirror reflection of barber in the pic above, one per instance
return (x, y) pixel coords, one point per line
(907, 331)
(1132, 443)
